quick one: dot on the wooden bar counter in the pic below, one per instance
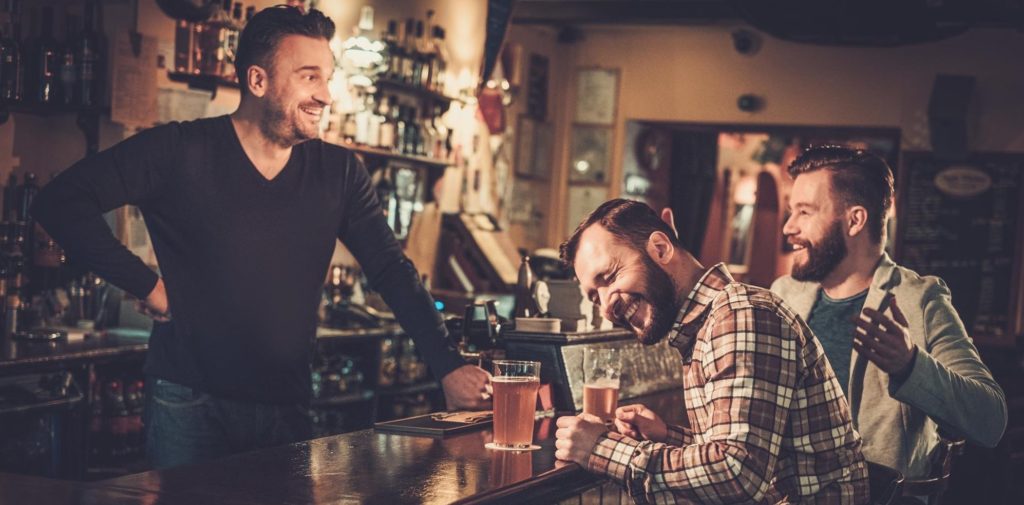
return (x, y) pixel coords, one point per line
(363, 467)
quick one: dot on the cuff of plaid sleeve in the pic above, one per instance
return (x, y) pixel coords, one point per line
(612, 456)
(678, 436)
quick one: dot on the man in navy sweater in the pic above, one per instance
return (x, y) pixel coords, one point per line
(243, 211)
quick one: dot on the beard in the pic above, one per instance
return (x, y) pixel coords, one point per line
(823, 257)
(661, 297)
(284, 128)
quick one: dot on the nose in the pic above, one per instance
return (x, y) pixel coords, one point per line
(605, 297)
(323, 93)
(788, 228)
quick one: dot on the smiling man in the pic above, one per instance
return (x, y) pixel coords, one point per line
(909, 371)
(244, 212)
(767, 420)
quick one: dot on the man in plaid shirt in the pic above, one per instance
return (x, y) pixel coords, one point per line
(768, 422)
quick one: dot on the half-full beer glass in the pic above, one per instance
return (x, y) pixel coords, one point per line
(515, 386)
(602, 368)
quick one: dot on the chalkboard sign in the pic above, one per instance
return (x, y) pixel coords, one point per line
(961, 220)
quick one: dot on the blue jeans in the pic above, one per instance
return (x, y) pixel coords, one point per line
(184, 425)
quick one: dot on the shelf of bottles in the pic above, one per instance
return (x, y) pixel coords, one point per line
(204, 52)
(393, 105)
(44, 70)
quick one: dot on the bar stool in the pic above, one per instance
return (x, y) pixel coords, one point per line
(885, 483)
(933, 486)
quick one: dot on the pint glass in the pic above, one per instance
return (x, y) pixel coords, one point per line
(515, 386)
(601, 372)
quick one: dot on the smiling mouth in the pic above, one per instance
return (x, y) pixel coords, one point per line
(626, 317)
(312, 111)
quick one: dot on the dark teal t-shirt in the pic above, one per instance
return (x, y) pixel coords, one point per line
(831, 321)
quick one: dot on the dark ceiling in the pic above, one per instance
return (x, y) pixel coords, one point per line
(833, 22)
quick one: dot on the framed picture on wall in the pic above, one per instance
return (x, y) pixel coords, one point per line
(597, 91)
(534, 145)
(590, 154)
(582, 201)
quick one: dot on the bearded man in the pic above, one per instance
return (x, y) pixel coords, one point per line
(909, 374)
(767, 420)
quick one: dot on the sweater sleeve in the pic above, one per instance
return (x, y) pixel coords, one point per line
(365, 232)
(70, 208)
(948, 381)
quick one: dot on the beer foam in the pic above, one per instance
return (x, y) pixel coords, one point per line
(604, 383)
(508, 378)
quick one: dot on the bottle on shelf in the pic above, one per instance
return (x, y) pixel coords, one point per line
(214, 40)
(45, 62)
(90, 59)
(184, 45)
(393, 51)
(408, 50)
(439, 70)
(398, 113)
(426, 50)
(418, 57)
(386, 138)
(68, 63)
(232, 30)
(12, 71)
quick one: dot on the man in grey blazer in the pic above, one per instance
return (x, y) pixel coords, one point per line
(911, 367)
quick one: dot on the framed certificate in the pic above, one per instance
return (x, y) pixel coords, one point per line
(597, 92)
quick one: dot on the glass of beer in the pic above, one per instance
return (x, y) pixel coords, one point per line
(602, 368)
(515, 386)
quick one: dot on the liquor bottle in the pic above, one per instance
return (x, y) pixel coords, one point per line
(387, 127)
(90, 59)
(392, 50)
(214, 39)
(68, 63)
(418, 58)
(362, 118)
(374, 120)
(439, 70)
(426, 50)
(12, 72)
(250, 11)
(408, 45)
(183, 46)
(45, 62)
(440, 148)
(232, 31)
(398, 112)
(425, 144)
(27, 192)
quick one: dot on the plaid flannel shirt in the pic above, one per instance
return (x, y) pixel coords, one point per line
(768, 420)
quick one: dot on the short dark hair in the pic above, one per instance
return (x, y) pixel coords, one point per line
(858, 178)
(630, 221)
(265, 30)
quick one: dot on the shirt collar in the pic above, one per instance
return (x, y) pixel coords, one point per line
(696, 305)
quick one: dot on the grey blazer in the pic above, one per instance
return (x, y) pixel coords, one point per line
(948, 385)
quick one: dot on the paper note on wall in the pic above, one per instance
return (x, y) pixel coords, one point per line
(133, 90)
(181, 104)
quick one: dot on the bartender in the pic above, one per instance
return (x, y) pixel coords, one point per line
(243, 211)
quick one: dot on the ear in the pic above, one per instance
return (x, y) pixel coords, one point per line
(256, 79)
(856, 220)
(660, 248)
(669, 219)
